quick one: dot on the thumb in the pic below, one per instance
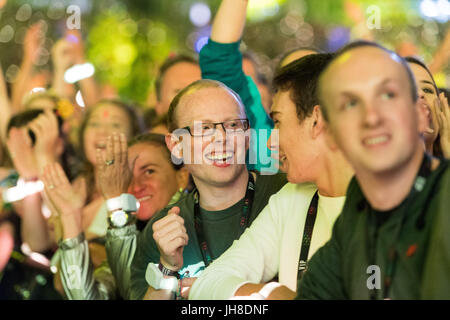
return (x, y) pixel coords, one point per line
(174, 210)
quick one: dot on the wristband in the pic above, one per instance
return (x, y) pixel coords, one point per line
(168, 272)
(71, 243)
(268, 288)
(127, 202)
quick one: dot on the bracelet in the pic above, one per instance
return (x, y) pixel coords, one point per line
(71, 243)
(268, 288)
(167, 271)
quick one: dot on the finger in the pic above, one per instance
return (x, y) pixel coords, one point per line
(99, 161)
(169, 218)
(123, 148)
(117, 152)
(171, 228)
(170, 248)
(167, 238)
(61, 176)
(54, 176)
(188, 282)
(174, 210)
(109, 149)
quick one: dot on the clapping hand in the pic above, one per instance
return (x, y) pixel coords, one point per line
(63, 199)
(114, 174)
(46, 131)
(21, 152)
(443, 115)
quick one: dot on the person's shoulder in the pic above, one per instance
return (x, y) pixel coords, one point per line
(185, 203)
(272, 181)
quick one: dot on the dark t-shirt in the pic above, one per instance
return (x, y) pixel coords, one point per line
(221, 229)
(340, 269)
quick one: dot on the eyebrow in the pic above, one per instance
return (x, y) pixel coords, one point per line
(273, 113)
(427, 82)
(148, 164)
(349, 93)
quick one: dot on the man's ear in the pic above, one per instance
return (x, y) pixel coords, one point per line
(182, 177)
(173, 143)
(318, 123)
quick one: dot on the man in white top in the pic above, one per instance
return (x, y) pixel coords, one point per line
(272, 246)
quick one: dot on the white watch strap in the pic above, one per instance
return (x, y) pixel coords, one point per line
(127, 202)
(268, 288)
(156, 279)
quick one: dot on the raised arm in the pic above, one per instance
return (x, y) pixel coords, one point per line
(113, 180)
(442, 55)
(31, 50)
(221, 60)
(77, 271)
(229, 22)
(5, 108)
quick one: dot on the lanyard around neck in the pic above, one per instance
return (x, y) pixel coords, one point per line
(307, 233)
(246, 209)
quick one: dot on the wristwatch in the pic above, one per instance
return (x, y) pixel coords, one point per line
(156, 279)
(127, 202)
(121, 208)
(120, 218)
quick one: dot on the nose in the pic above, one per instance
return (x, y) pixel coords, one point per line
(273, 143)
(219, 134)
(372, 116)
(136, 186)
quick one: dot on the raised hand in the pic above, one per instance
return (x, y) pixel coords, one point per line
(171, 236)
(62, 55)
(45, 129)
(443, 115)
(33, 42)
(64, 199)
(21, 153)
(114, 174)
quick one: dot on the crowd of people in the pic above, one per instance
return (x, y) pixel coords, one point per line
(329, 181)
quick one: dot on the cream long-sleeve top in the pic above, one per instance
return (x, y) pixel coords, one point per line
(272, 244)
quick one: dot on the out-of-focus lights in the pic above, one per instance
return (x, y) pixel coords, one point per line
(79, 99)
(200, 43)
(22, 190)
(429, 8)
(39, 258)
(443, 7)
(37, 89)
(200, 14)
(79, 72)
(258, 10)
(439, 9)
(46, 211)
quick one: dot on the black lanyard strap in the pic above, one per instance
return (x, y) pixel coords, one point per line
(307, 233)
(243, 223)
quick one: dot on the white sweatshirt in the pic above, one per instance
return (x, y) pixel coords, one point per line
(271, 245)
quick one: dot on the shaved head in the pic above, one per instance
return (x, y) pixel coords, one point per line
(361, 50)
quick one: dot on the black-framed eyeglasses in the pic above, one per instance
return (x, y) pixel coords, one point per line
(204, 129)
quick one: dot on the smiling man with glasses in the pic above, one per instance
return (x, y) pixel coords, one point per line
(210, 135)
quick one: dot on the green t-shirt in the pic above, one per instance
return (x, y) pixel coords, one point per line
(221, 229)
(349, 265)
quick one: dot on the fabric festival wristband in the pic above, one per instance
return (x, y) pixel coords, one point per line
(127, 202)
